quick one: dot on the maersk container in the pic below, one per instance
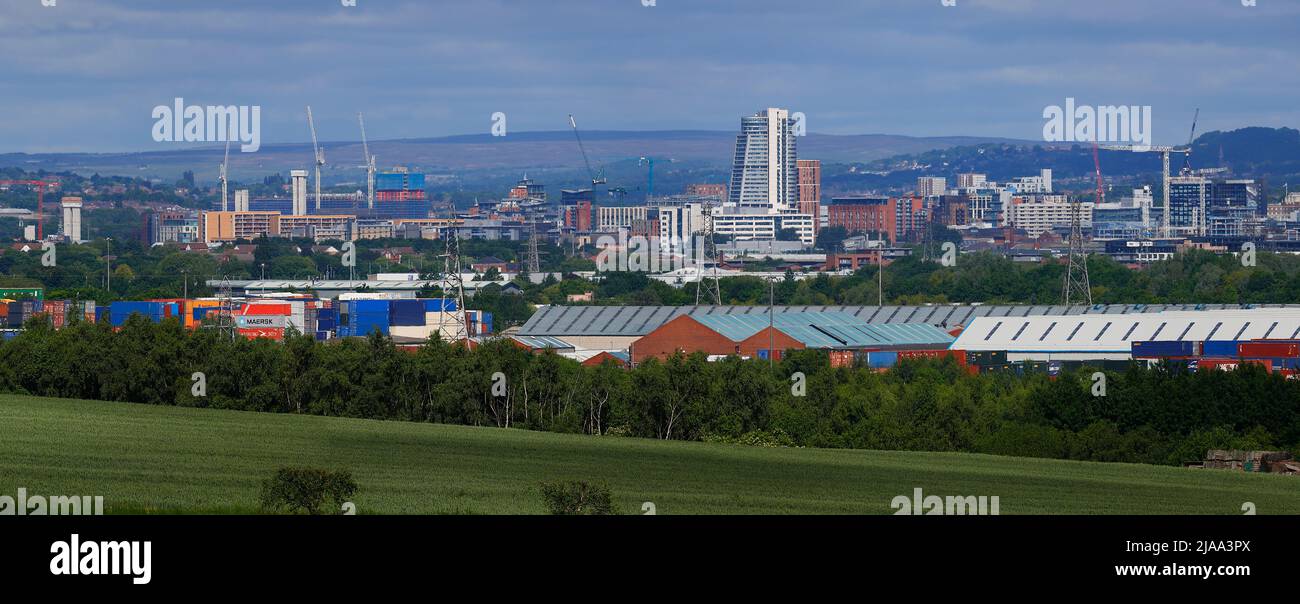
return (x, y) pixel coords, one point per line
(1164, 349)
(406, 312)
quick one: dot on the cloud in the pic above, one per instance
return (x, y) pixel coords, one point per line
(88, 73)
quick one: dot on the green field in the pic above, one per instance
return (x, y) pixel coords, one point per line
(176, 460)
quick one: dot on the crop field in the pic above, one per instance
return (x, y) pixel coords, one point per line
(149, 459)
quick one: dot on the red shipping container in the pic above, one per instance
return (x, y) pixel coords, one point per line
(959, 355)
(1266, 348)
(272, 333)
(1232, 364)
(262, 308)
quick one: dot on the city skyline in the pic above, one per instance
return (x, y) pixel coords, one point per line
(89, 75)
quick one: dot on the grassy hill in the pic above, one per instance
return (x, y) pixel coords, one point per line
(179, 460)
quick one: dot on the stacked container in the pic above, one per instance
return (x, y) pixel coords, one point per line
(1166, 349)
(366, 316)
(22, 310)
(119, 312)
(263, 319)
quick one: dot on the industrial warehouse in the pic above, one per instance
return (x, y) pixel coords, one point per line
(1008, 338)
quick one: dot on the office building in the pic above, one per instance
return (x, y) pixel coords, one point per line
(872, 215)
(931, 186)
(763, 174)
(1038, 214)
(224, 227)
(810, 188)
(174, 227)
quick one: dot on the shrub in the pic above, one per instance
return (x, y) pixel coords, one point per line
(577, 498)
(306, 490)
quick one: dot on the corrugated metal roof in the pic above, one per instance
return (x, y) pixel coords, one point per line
(640, 320)
(542, 342)
(1117, 332)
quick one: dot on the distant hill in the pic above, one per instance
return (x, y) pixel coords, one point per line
(1269, 154)
(518, 152)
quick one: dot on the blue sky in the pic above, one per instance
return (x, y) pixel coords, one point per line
(84, 75)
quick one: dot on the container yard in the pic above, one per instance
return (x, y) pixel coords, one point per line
(407, 320)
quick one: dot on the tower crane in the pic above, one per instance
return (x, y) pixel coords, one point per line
(40, 186)
(596, 178)
(320, 154)
(225, 163)
(1187, 157)
(650, 179)
(370, 165)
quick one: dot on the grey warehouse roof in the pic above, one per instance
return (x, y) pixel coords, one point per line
(640, 320)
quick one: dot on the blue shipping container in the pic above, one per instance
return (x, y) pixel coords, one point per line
(363, 327)
(439, 304)
(1161, 349)
(406, 312)
(362, 307)
(882, 359)
(1223, 349)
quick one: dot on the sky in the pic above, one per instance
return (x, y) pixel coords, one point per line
(85, 75)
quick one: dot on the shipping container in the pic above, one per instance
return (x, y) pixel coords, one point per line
(406, 312)
(119, 312)
(1223, 349)
(882, 359)
(267, 308)
(268, 333)
(959, 355)
(1165, 349)
(1269, 348)
(1205, 364)
(439, 305)
(986, 357)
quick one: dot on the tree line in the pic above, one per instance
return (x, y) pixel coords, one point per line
(1158, 416)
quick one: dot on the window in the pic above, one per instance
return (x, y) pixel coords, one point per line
(1049, 330)
(1270, 330)
(1102, 332)
(1243, 330)
(1184, 334)
(993, 331)
(1158, 330)
(1128, 334)
(1020, 331)
(1216, 330)
(1076, 330)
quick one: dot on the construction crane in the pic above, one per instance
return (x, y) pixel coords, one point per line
(370, 165)
(225, 163)
(1164, 160)
(40, 186)
(1187, 157)
(320, 154)
(1164, 173)
(650, 179)
(596, 178)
